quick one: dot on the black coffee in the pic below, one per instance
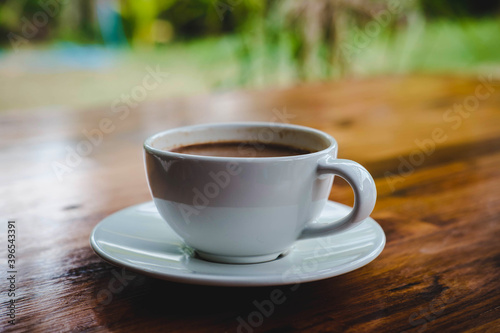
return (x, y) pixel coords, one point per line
(240, 149)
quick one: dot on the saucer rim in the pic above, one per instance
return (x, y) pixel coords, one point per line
(241, 281)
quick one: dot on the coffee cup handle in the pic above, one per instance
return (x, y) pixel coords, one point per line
(365, 195)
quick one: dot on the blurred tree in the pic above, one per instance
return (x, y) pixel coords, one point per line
(180, 19)
(454, 9)
(33, 20)
(143, 21)
(321, 30)
(24, 19)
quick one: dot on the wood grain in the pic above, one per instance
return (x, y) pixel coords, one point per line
(439, 204)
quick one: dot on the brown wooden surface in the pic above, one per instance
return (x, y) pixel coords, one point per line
(439, 272)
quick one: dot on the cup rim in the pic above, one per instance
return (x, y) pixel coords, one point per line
(148, 147)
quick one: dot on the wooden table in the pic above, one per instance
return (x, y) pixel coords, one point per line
(431, 143)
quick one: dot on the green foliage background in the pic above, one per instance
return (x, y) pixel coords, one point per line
(217, 45)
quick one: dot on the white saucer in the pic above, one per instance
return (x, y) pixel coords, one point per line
(137, 238)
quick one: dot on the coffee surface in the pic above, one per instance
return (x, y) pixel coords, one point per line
(240, 149)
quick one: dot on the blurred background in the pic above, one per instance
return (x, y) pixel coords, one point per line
(84, 53)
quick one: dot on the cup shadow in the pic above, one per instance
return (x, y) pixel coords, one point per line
(162, 302)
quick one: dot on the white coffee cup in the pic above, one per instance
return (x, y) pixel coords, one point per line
(250, 209)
